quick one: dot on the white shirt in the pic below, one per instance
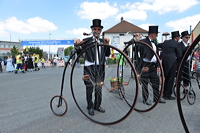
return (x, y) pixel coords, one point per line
(87, 63)
(154, 57)
(185, 44)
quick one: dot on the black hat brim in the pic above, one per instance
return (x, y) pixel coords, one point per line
(96, 26)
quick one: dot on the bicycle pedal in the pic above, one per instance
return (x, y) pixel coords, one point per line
(85, 77)
(125, 83)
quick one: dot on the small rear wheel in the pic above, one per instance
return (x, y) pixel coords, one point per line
(191, 97)
(58, 105)
(182, 91)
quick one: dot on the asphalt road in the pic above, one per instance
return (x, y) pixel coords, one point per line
(25, 108)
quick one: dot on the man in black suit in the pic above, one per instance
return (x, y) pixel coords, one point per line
(93, 70)
(149, 62)
(171, 57)
(185, 36)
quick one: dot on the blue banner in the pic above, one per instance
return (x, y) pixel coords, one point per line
(47, 42)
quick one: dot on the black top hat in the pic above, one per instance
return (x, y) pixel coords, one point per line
(153, 29)
(184, 33)
(175, 34)
(96, 23)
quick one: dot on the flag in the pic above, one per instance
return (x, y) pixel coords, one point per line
(192, 39)
(26, 48)
(112, 54)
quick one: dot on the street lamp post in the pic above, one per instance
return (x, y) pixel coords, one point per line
(49, 46)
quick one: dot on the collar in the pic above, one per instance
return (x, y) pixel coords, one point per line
(184, 43)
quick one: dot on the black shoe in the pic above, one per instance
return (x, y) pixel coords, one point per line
(100, 109)
(162, 100)
(169, 98)
(147, 103)
(91, 111)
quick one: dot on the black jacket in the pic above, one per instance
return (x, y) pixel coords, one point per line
(143, 51)
(183, 47)
(147, 53)
(171, 53)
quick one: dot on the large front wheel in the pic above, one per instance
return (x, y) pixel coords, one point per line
(101, 82)
(149, 72)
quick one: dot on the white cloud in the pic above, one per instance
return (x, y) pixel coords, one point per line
(79, 32)
(161, 6)
(92, 10)
(184, 23)
(133, 14)
(145, 26)
(3, 33)
(35, 25)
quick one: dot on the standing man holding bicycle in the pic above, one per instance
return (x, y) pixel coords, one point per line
(91, 64)
(149, 70)
(185, 36)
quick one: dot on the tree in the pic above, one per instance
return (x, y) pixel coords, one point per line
(14, 51)
(68, 50)
(34, 50)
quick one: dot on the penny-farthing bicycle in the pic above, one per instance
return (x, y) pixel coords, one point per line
(189, 114)
(151, 84)
(95, 76)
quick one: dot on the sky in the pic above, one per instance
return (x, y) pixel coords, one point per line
(68, 19)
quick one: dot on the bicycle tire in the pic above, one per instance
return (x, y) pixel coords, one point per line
(117, 109)
(182, 93)
(134, 53)
(191, 97)
(186, 118)
(58, 105)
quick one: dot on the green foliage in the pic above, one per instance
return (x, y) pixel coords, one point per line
(32, 50)
(14, 51)
(156, 41)
(68, 50)
(81, 60)
(116, 79)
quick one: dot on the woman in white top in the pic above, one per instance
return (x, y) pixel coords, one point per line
(9, 65)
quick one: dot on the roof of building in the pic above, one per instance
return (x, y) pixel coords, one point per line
(124, 26)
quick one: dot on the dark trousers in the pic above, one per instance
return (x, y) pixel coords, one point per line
(36, 66)
(1, 67)
(96, 74)
(152, 76)
(26, 62)
(43, 66)
(169, 80)
(19, 66)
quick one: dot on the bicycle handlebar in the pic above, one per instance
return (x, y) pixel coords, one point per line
(87, 34)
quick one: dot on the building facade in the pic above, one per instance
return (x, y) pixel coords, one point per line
(118, 34)
(6, 46)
